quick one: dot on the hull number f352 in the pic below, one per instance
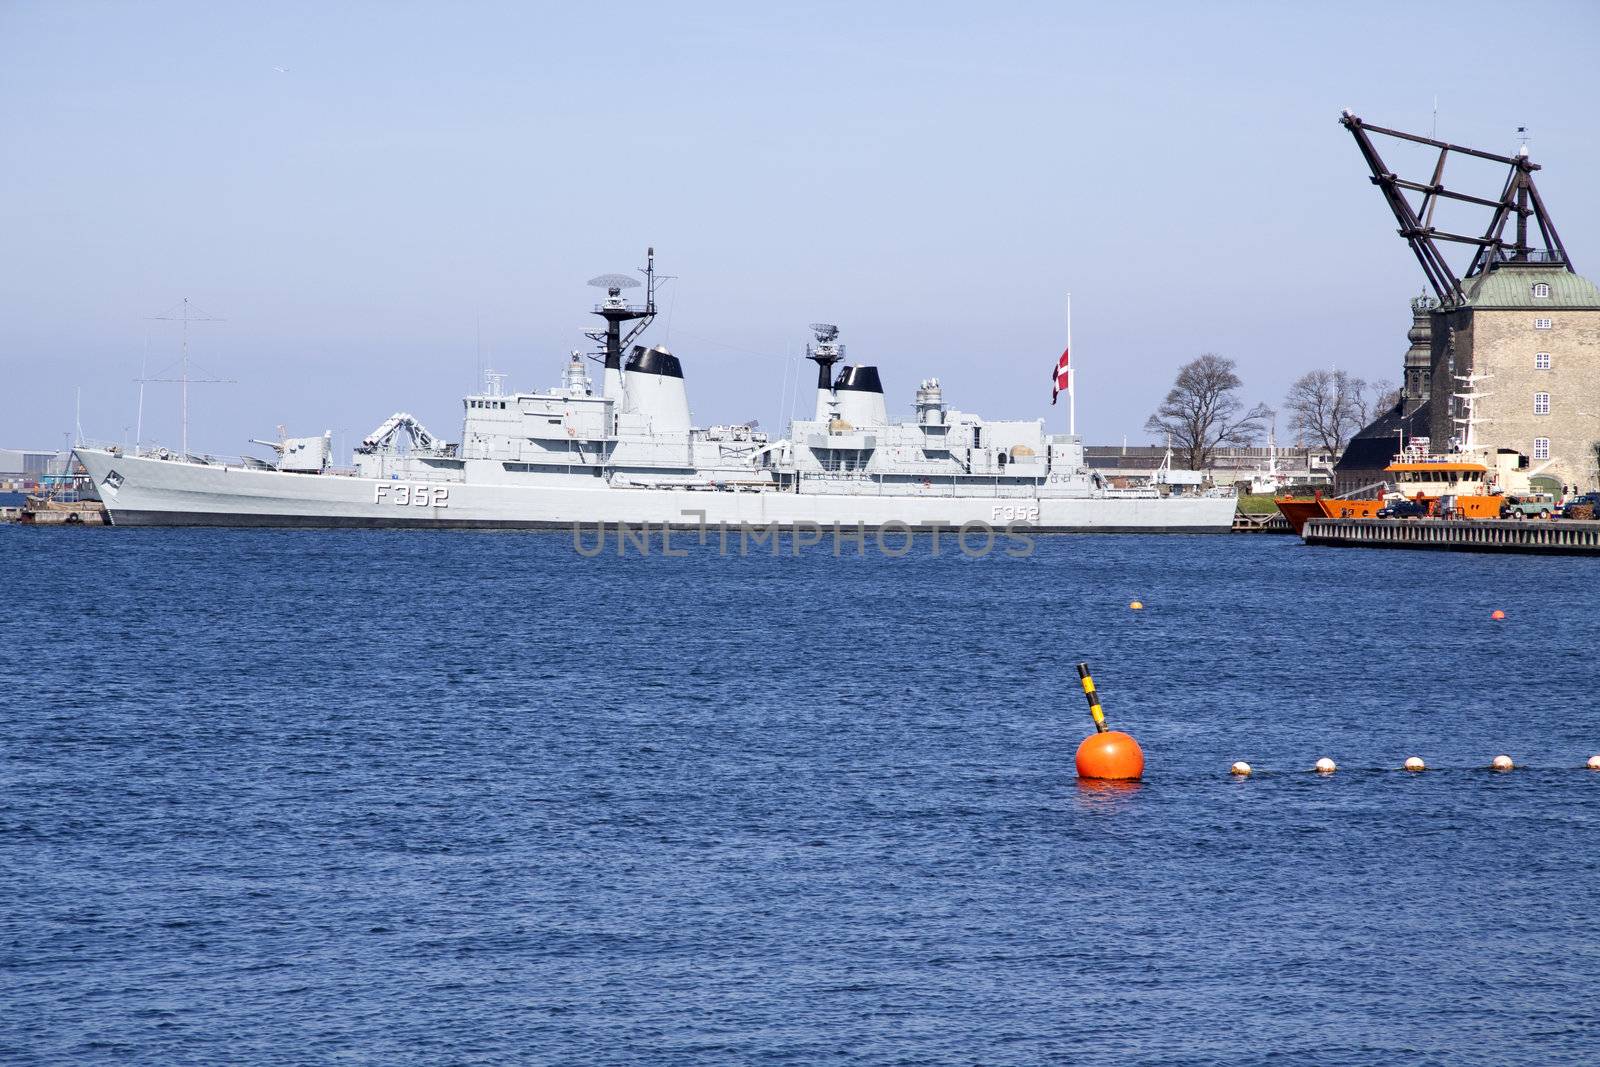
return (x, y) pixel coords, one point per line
(404, 494)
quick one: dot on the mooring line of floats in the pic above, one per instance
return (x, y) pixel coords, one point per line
(1414, 765)
(1111, 755)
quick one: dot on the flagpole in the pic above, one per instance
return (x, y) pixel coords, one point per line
(1072, 376)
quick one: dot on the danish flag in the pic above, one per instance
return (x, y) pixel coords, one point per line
(1060, 378)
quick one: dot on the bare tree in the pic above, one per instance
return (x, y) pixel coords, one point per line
(1327, 408)
(1385, 394)
(1203, 412)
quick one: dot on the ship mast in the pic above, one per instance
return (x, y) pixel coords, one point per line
(827, 352)
(616, 310)
(1467, 440)
(183, 379)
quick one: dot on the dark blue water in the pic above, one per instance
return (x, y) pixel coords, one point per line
(410, 798)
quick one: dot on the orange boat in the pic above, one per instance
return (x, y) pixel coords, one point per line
(1298, 509)
(1452, 485)
(1473, 492)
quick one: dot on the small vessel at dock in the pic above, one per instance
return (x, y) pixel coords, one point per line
(1464, 485)
(62, 503)
(1459, 486)
(1298, 509)
(1465, 495)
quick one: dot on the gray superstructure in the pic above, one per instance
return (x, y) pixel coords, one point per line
(628, 452)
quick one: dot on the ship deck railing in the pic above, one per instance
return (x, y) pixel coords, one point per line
(201, 459)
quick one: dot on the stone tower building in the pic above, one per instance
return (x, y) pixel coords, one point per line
(1416, 383)
(1513, 341)
(1517, 365)
(1361, 464)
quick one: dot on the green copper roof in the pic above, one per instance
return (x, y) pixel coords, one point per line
(1511, 286)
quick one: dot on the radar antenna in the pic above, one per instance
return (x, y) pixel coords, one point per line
(827, 352)
(616, 310)
(618, 282)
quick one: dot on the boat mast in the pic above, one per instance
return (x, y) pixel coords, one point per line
(616, 310)
(144, 366)
(183, 379)
(1468, 419)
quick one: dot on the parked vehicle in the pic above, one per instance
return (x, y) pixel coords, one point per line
(1404, 509)
(1581, 507)
(1528, 506)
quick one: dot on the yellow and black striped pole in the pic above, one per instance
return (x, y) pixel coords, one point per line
(1106, 753)
(1093, 698)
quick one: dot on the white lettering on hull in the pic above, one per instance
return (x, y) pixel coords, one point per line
(404, 494)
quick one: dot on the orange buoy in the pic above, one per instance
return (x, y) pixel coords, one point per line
(1137, 605)
(1110, 754)
(1497, 615)
(1106, 753)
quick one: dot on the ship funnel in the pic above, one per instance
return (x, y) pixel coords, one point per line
(611, 383)
(653, 385)
(860, 397)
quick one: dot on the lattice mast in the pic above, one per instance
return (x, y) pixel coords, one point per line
(1519, 197)
(185, 314)
(616, 310)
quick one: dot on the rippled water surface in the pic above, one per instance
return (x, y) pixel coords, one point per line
(305, 797)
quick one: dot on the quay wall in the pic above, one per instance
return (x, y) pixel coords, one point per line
(1563, 538)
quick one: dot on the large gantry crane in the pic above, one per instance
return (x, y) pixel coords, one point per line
(1519, 197)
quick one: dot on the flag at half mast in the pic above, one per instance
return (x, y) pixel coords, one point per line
(1061, 377)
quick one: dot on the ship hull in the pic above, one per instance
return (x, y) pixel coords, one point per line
(141, 491)
(1298, 509)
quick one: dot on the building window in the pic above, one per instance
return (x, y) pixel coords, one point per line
(1541, 290)
(1541, 448)
(1541, 361)
(1541, 403)
(1541, 324)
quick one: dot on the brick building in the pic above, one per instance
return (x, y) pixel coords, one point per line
(1512, 343)
(1526, 341)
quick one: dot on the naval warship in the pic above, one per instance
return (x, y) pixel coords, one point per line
(630, 454)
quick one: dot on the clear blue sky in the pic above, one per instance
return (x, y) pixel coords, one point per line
(932, 177)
